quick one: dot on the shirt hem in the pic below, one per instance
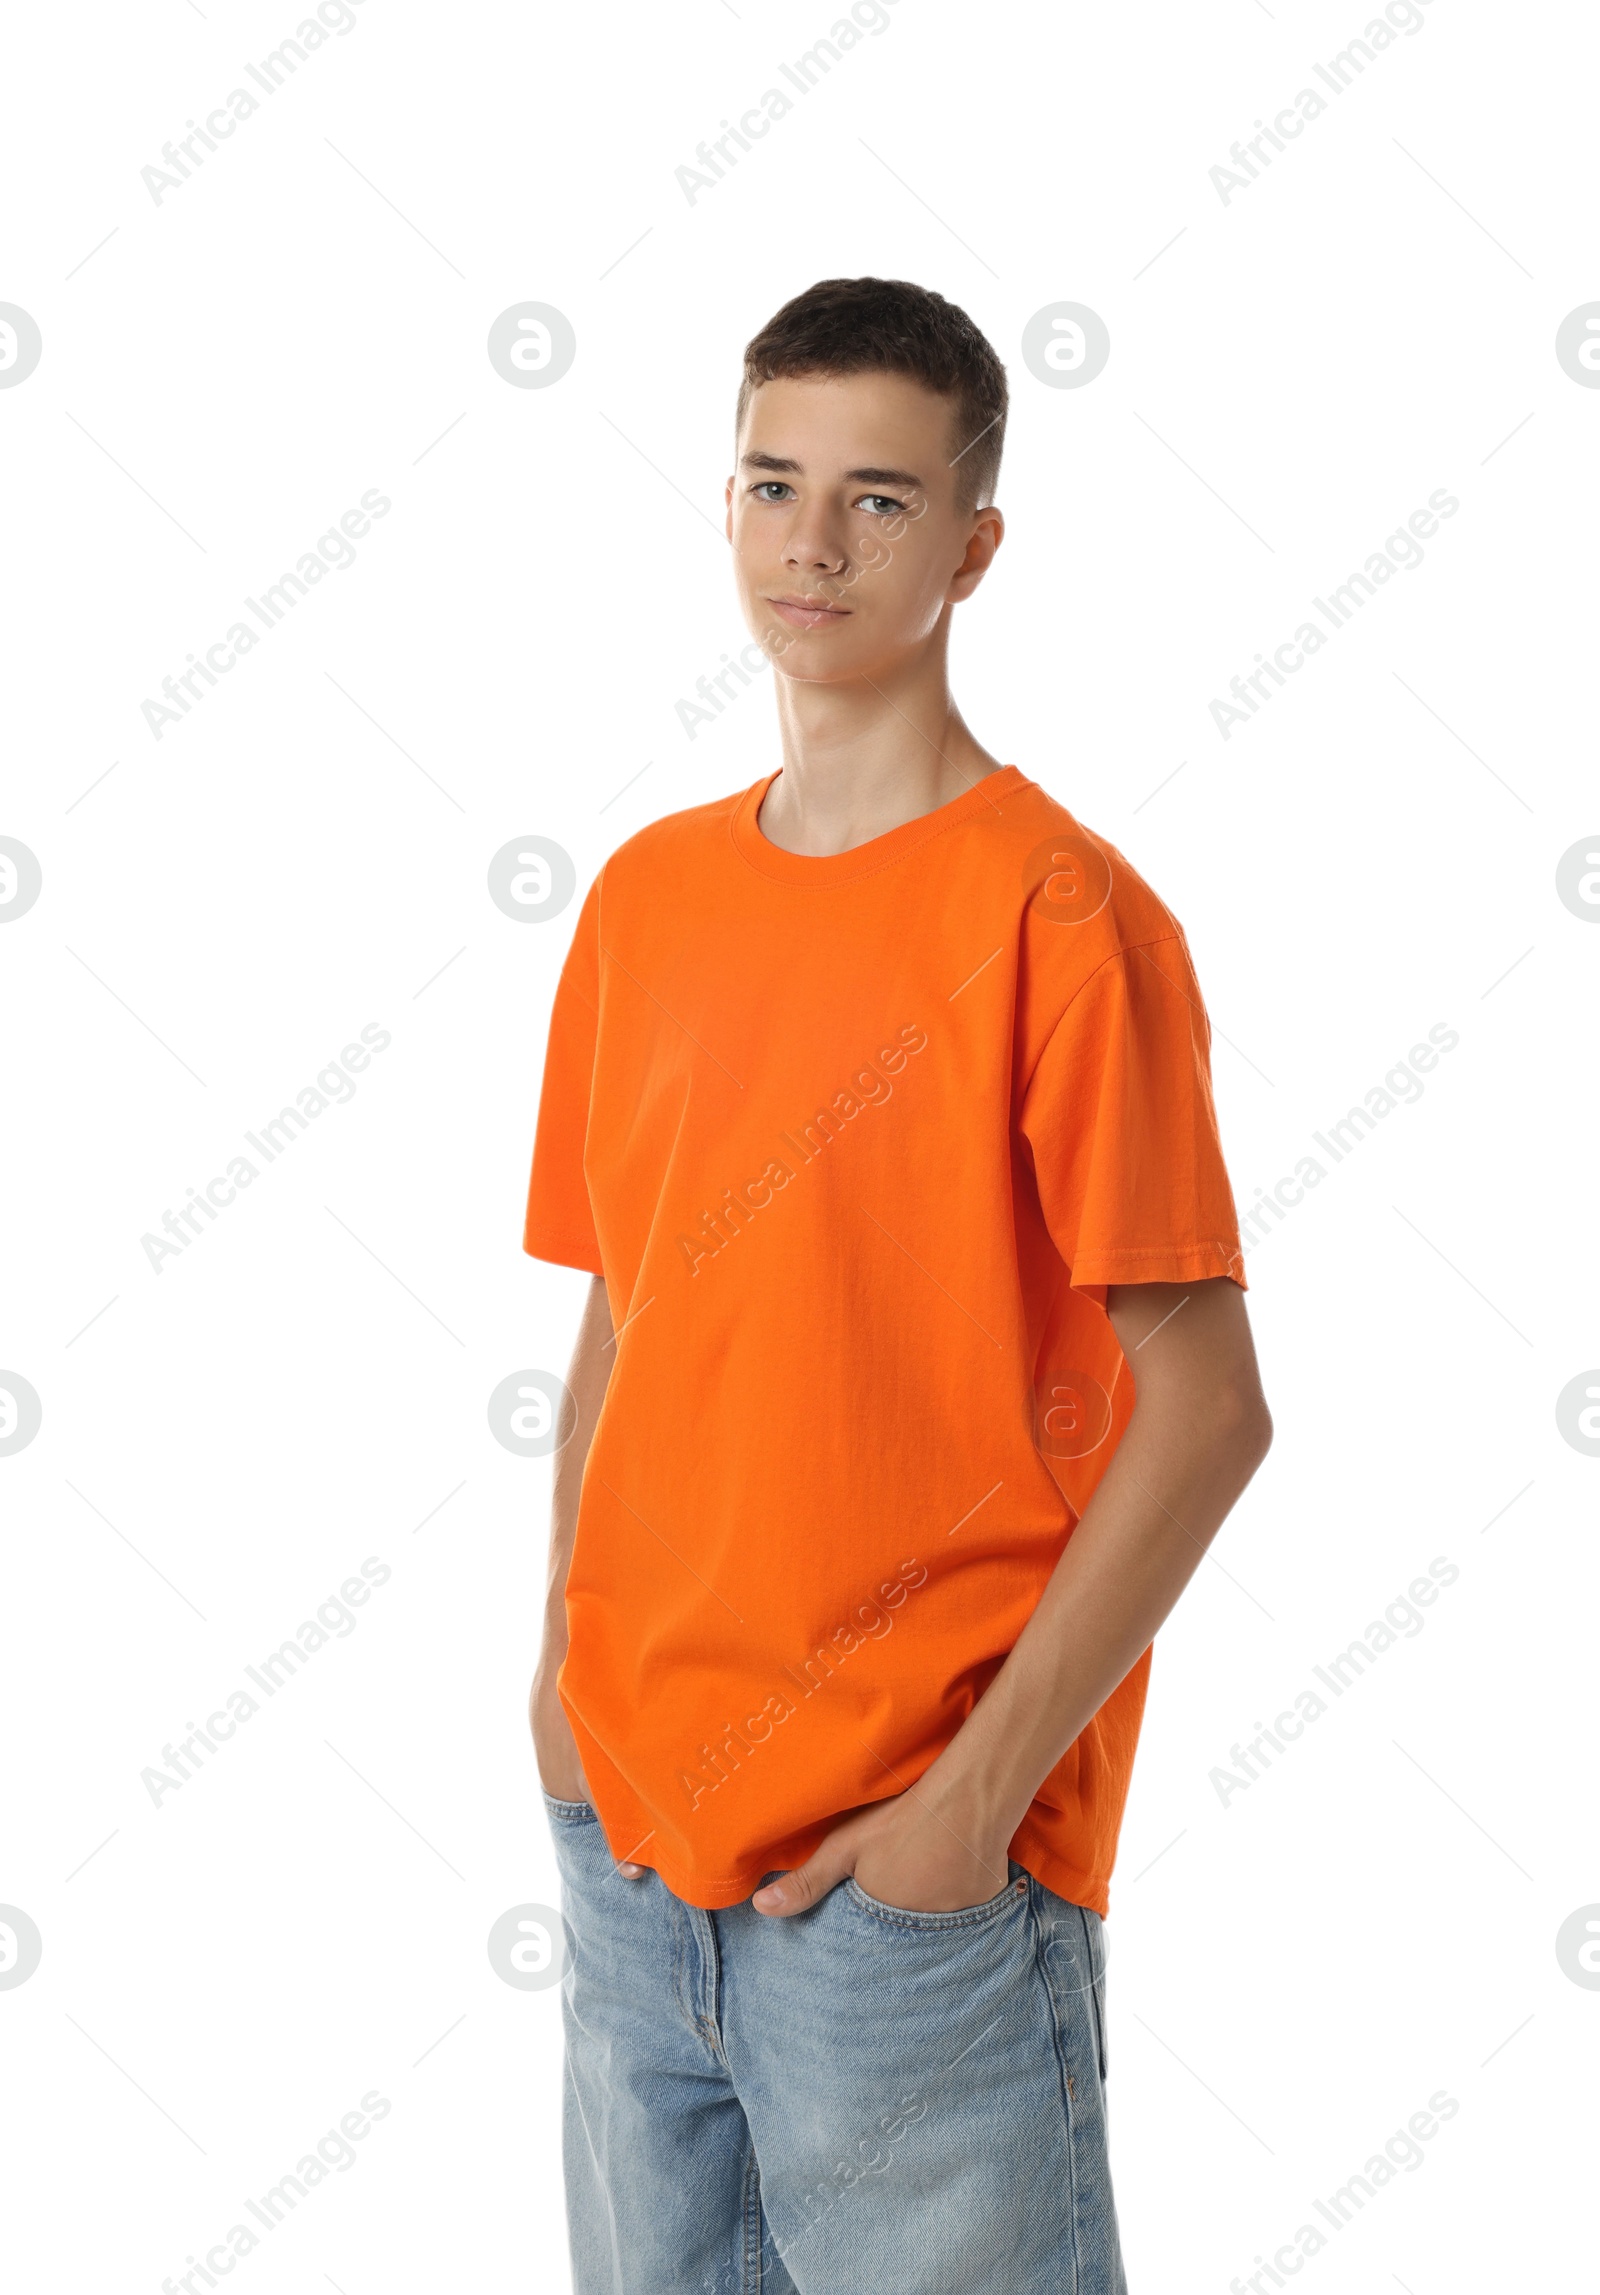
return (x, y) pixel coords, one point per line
(1067, 1880)
(1160, 1263)
(1091, 1890)
(560, 1251)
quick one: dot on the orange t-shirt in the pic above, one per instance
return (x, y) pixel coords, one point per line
(857, 1142)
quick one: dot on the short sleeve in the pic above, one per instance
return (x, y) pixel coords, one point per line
(560, 1220)
(1119, 1120)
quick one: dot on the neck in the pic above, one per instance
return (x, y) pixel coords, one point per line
(862, 757)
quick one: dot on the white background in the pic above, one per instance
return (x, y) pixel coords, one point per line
(1292, 373)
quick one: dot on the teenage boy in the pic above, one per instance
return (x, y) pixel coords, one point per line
(913, 1383)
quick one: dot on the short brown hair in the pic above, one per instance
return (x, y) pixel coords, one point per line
(889, 326)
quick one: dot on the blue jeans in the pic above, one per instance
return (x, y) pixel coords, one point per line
(855, 2100)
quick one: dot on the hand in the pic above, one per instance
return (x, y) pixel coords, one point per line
(919, 1850)
(555, 1748)
(556, 1752)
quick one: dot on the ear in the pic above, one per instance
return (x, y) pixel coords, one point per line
(988, 532)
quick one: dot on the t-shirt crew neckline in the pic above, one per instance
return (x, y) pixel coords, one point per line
(860, 860)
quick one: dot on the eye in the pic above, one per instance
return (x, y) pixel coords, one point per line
(771, 490)
(881, 506)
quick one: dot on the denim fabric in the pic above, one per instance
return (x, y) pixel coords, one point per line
(855, 2100)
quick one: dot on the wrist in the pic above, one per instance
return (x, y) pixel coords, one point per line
(977, 1793)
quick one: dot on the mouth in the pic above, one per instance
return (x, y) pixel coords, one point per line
(803, 613)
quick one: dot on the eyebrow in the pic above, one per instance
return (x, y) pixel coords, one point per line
(863, 477)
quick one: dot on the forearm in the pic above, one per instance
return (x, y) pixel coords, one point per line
(1198, 1431)
(593, 1354)
(1166, 1492)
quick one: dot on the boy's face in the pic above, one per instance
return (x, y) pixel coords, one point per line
(850, 536)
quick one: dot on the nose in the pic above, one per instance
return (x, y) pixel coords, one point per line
(810, 546)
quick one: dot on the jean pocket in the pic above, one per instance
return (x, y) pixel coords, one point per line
(568, 1812)
(904, 1917)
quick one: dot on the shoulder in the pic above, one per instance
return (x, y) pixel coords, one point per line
(673, 843)
(1082, 899)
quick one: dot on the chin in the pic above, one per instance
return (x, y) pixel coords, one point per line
(803, 668)
(823, 654)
